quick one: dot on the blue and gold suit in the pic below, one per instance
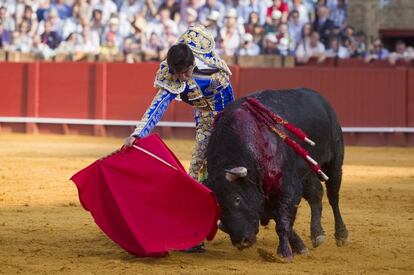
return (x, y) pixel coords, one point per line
(209, 94)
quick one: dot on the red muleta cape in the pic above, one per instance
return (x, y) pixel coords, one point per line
(144, 205)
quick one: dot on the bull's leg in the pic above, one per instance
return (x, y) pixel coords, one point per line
(332, 189)
(285, 214)
(313, 193)
(296, 244)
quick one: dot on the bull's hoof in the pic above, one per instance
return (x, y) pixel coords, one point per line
(341, 242)
(341, 237)
(304, 252)
(318, 241)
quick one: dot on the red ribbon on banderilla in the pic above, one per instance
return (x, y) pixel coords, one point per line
(262, 113)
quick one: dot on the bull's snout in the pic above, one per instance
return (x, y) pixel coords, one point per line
(245, 242)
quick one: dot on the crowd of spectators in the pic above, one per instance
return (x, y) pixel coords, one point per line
(145, 29)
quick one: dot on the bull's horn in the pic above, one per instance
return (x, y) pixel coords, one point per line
(235, 173)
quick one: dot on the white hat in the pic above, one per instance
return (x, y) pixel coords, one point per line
(192, 11)
(276, 14)
(213, 16)
(231, 13)
(247, 37)
(114, 21)
(271, 37)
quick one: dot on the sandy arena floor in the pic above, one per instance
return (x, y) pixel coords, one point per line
(43, 228)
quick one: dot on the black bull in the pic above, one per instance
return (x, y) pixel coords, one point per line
(257, 177)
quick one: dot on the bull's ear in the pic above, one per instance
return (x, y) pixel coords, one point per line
(235, 173)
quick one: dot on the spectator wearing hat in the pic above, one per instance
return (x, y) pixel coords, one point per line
(259, 7)
(285, 42)
(313, 48)
(211, 24)
(272, 25)
(278, 5)
(185, 4)
(270, 44)
(231, 33)
(55, 21)
(207, 8)
(190, 19)
(113, 28)
(248, 47)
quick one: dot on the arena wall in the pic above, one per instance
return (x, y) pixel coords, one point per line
(108, 98)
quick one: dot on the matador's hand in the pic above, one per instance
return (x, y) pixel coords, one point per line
(129, 141)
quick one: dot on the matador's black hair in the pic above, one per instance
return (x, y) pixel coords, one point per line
(179, 58)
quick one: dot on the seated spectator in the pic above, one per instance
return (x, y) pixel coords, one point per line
(258, 33)
(231, 33)
(311, 49)
(272, 25)
(43, 10)
(64, 11)
(168, 37)
(270, 44)
(13, 45)
(399, 54)
(376, 51)
(107, 7)
(113, 28)
(252, 21)
(150, 9)
(248, 47)
(305, 34)
(174, 7)
(41, 50)
(361, 47)
(5, 36)
(153, 48)
(285, 43)
(278, 5)
(55, 22)
(211, 24)
(31, 19)
(50, 37)
(133, 45)
(24, 40)
(157, 24)
(258, 7)
(323, 25)
(185, 4)
(131, 8)
(295, 26)
(190, 19)
(207, 8)
(109, 46)
(8, 22)
(302, 10)
(71, 47)
(339, 15)
(97, 25)
(336, 50)
(90, 41)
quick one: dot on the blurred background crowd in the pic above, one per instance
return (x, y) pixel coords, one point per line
(141, 30)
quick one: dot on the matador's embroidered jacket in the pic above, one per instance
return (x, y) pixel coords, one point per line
(209, 93)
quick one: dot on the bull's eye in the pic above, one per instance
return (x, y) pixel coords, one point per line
(237, 201)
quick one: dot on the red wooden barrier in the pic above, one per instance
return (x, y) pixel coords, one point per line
(362, 97)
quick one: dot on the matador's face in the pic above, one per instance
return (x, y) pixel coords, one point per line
(186, 74)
